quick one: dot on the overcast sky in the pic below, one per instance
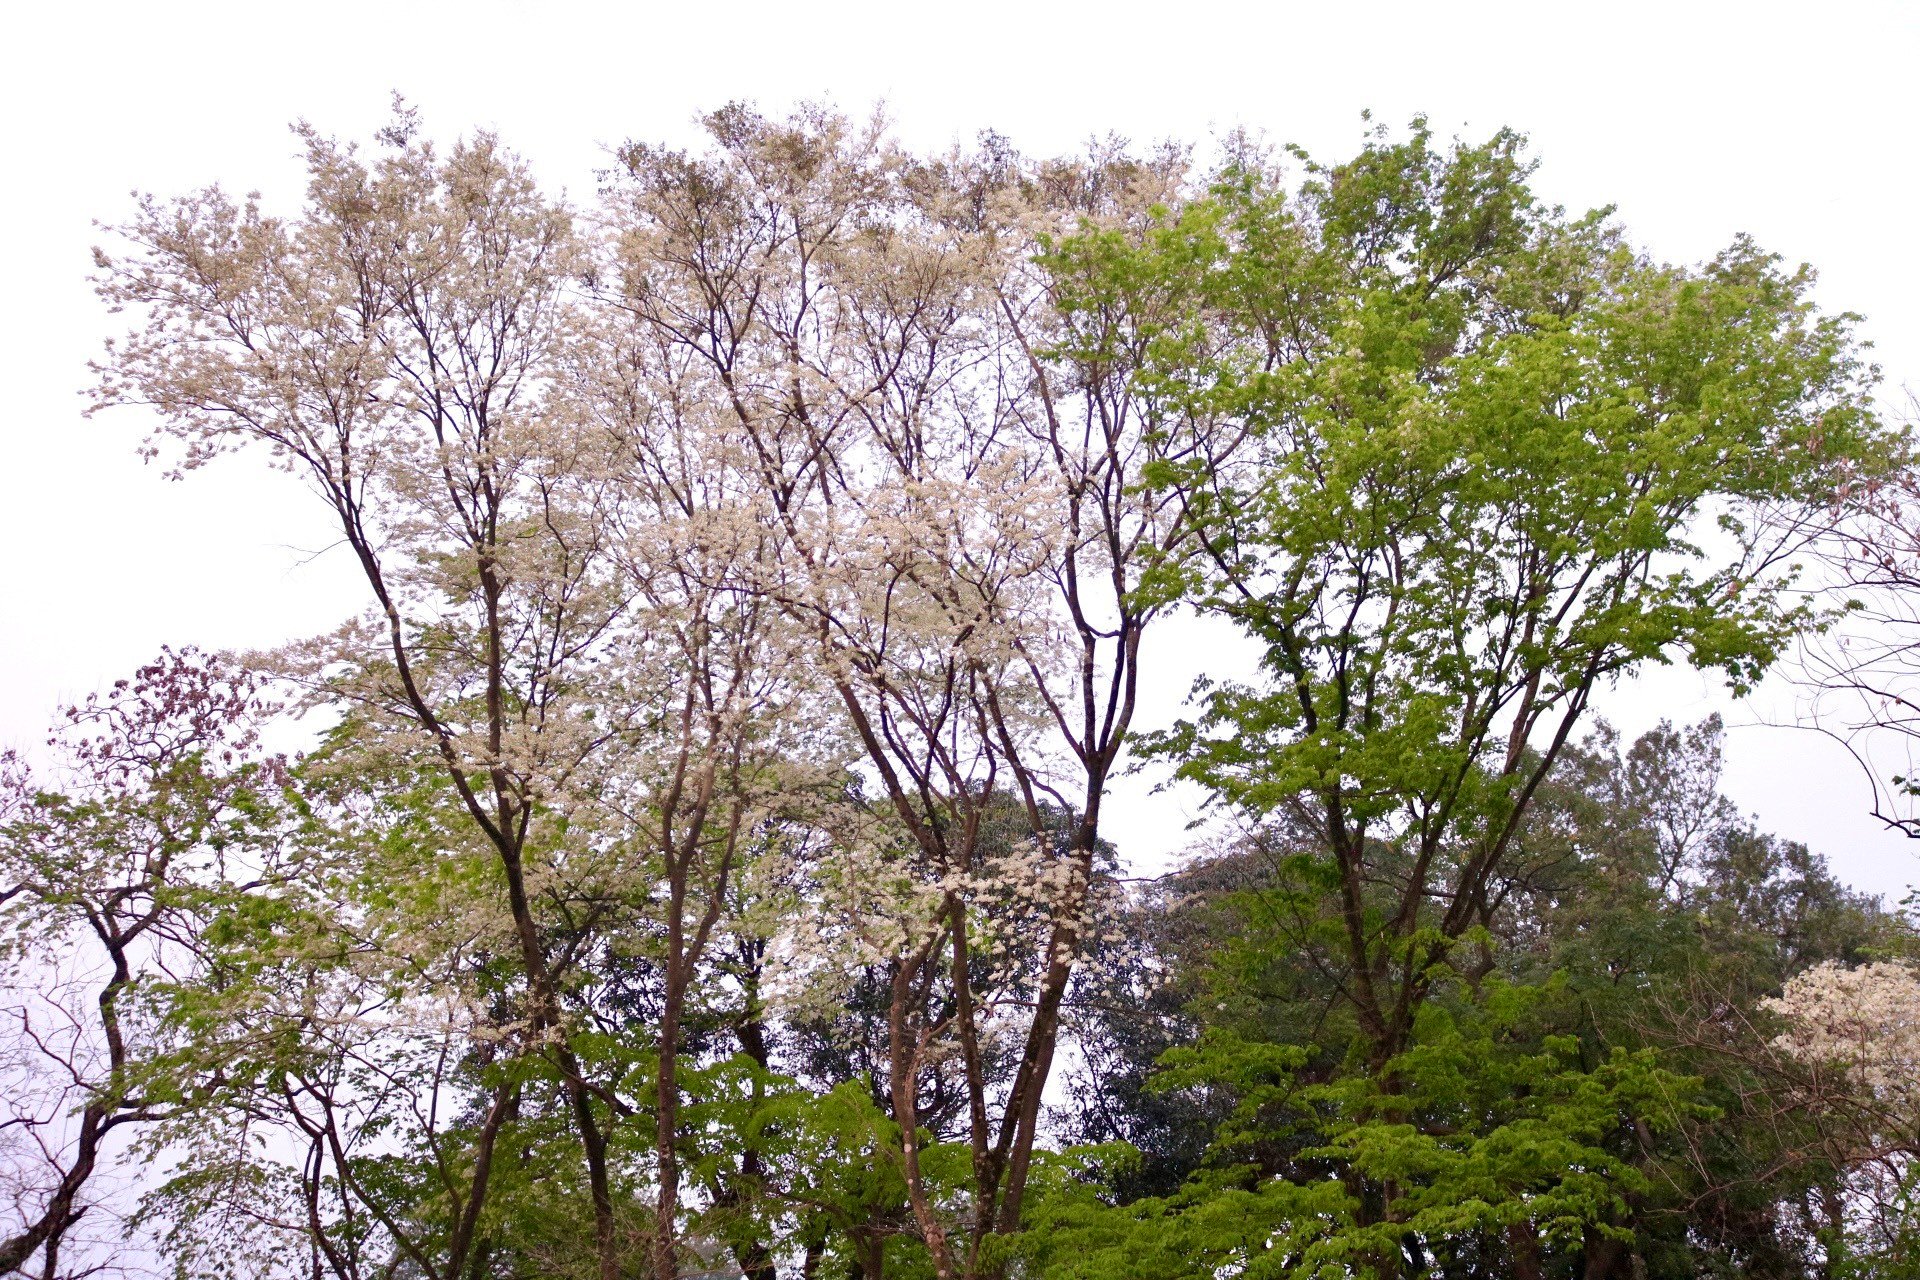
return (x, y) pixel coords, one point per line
(1791, 122)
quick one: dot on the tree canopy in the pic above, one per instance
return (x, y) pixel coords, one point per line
(700, 862)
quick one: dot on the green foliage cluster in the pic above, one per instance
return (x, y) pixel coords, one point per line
(1590, 1095)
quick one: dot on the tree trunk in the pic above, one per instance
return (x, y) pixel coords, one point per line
(666, 1264)
(904, 1067)
(1602, 1255)
(1523, 1248)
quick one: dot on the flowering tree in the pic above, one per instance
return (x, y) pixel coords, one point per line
(955, 474)
(719, 758)
(393, 347)
(1864, 1022)
(1855, 1035)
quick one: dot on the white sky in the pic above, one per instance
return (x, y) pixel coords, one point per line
(1792, 122)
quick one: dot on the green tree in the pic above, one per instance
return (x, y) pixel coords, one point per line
(1497, 460)
(1637, 929)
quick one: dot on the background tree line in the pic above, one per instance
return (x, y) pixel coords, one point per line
(700, 864)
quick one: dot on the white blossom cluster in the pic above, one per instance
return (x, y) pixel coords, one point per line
(1863, 1021)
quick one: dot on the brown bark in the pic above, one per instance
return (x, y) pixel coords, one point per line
(1601, 1256)
(1523, 1247)
(903, 1076)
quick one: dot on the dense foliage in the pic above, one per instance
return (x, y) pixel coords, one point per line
(699, 863)
(1585, 1086)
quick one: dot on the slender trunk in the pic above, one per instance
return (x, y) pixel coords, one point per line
(869, 1261)
(666, 1264)
(505, 1110)
(986, 1168)
(547, 1020)
(1387, 1261)
(63, 1207)
(904, 1059)
(755, 1258)
(1035, 1065)
(1036, 1062)
(1832, 1237)
(595, 1146)
(507, 829)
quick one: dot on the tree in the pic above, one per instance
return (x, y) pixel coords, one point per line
(1856, 1034)
(722, 756)
(956, 480)
(1497, 460)
(1477, 494)
(393, 348)
(162, 802)
(1858, 678)
(1623, 967)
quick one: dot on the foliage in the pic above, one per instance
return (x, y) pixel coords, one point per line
(1597, 1084)
(700, 865)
